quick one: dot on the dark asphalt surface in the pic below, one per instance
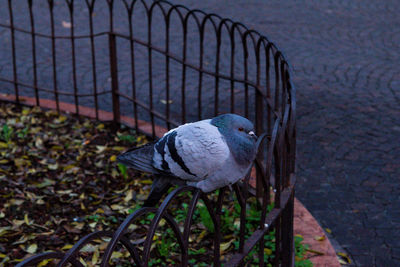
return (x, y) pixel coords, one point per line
(345, 56)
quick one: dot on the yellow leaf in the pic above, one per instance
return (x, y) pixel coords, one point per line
(99, 210)
(129, 196)
(316, 252)
(113, 158)
(26, 219)
(82, 261)
(100, 126)
(67, 247)
(319, 238)
(32, 249)
(2, 255)
(344, 258)
(3, 145)
(267, 251)
(116, 207)
(44, 262)
(25, 111)
(202, 235)
(224, 246)
(95, 257)
(118, 148)
(3, 161)
(117, 254)
(329, 231)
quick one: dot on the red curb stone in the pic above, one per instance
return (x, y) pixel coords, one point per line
(304, 223)
(306, 226)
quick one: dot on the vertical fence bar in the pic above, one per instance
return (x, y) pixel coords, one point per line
(53, 52)
(150, 69)
(287, 233)
(216, 94)
(90, 6)
(183, 95)
(70, 4)
(217, 234)
(276, 65)
(132, 56)
(34, 64)
(114, 77)
(14, 59)
(259, 130)
(232, 35)
(201, 55)
(259, 120)
(246, 76)
(268, 86)
(167, 83)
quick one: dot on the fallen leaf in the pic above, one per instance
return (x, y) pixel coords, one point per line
(319, 238)
(66, 24)
(224, 246)
(343, 258)
(32, 249)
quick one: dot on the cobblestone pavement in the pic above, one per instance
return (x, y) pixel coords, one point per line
(345, 56)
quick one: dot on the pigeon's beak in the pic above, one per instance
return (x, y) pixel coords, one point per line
(252, 134)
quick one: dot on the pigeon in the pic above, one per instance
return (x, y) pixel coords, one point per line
(207, 154)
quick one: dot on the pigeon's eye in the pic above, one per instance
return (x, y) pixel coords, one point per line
(241, 129)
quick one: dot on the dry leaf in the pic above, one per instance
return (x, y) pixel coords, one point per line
(66, 24)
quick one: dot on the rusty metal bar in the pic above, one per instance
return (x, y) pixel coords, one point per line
(114, 77)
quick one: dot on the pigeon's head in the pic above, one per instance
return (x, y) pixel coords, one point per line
(239, 134)
(234, 124)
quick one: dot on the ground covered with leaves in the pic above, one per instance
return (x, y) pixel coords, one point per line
(59, 180)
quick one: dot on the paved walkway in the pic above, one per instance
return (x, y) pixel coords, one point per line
(345, 55)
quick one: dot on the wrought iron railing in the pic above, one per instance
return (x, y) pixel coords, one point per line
(154, 63)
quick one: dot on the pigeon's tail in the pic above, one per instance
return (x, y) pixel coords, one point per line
(159, 188)
(139, 158)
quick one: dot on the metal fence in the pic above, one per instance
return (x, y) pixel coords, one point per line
(154, 62)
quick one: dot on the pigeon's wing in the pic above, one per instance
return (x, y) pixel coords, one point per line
(139, 158)
(192, 151)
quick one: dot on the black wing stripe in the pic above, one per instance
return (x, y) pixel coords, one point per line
(160, 147)
(174, 153)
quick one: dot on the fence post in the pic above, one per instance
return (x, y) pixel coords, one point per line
(114, 77)
(288, 247)
(259, 130)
